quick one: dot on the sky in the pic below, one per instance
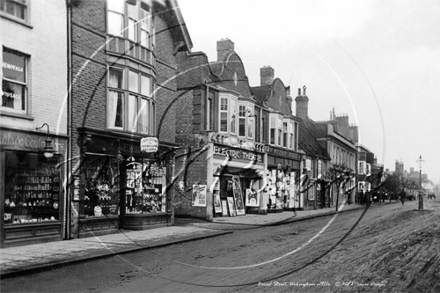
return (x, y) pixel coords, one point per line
(376, 61)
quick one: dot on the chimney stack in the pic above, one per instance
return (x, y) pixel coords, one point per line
(302, 104)
(224, 47)
(266, 75)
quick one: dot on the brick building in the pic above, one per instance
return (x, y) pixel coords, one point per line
(222, 129)
(33, 121)
(123, 91)
(283, 167)
(338, 138)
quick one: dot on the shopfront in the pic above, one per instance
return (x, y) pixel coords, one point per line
(32, 197)
(118, 185)
(237, 180)
(283, 171)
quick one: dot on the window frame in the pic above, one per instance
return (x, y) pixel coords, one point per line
(140, 99)
(24, 4)
(5, 110)
(143, 22)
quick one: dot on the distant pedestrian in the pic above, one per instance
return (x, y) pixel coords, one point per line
(368, 198)
(402, 196)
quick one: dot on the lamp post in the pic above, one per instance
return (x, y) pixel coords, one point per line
(420, 191)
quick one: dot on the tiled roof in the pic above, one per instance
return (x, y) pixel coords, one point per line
(261, 93)
(307, 141)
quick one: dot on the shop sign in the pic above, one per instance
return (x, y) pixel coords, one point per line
(283, 153)
(26, 141)
(149, 144)
(238, 154)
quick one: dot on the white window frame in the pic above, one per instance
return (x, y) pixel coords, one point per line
(25, 94)
(242, 116)
(250, 121)
(24, 4)
(273, 126)
(143, 98)
(361, 167)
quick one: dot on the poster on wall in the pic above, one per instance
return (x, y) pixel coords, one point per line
(252, 198)
(217, 202)
(199, 196)
(231, 207)
(224, 208)
(238, 196)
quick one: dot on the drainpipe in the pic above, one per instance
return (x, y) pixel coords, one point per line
(69, 121)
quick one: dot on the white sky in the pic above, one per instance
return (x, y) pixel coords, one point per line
(377, 61)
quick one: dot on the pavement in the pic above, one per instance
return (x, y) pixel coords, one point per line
(37, 257)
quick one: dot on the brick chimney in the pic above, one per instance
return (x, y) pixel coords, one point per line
(302, 104)
(224, 47)
(267, 74)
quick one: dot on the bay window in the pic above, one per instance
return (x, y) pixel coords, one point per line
(280, 130)
(15, 82)
(115, 17)
(272, 129)
(250, 121)
(285, 134)
(134, 23)
(257, 125)
(224, 114)
(241, 120)
(130, 105)
(228, 115)
(232, 115)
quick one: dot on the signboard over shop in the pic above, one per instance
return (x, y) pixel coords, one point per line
(282, 153)
(29, 141)
(149, 144)
(238, 154)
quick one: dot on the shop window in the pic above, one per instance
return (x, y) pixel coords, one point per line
(145, 192)
(15, 82)
(132, 107)
(101, 193)
(32, 188)
(15, 8)
(241, 120)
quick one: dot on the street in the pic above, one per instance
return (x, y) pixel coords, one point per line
(386, 248)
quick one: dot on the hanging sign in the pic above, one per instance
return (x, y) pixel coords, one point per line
(149, 144)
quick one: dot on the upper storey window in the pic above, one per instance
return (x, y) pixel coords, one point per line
(228, 114)
(14, 83)
(15, 8)
(115, 21)
(132, 28)
(130, 101)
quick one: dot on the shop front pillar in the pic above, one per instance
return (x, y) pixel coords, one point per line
(209, 182)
